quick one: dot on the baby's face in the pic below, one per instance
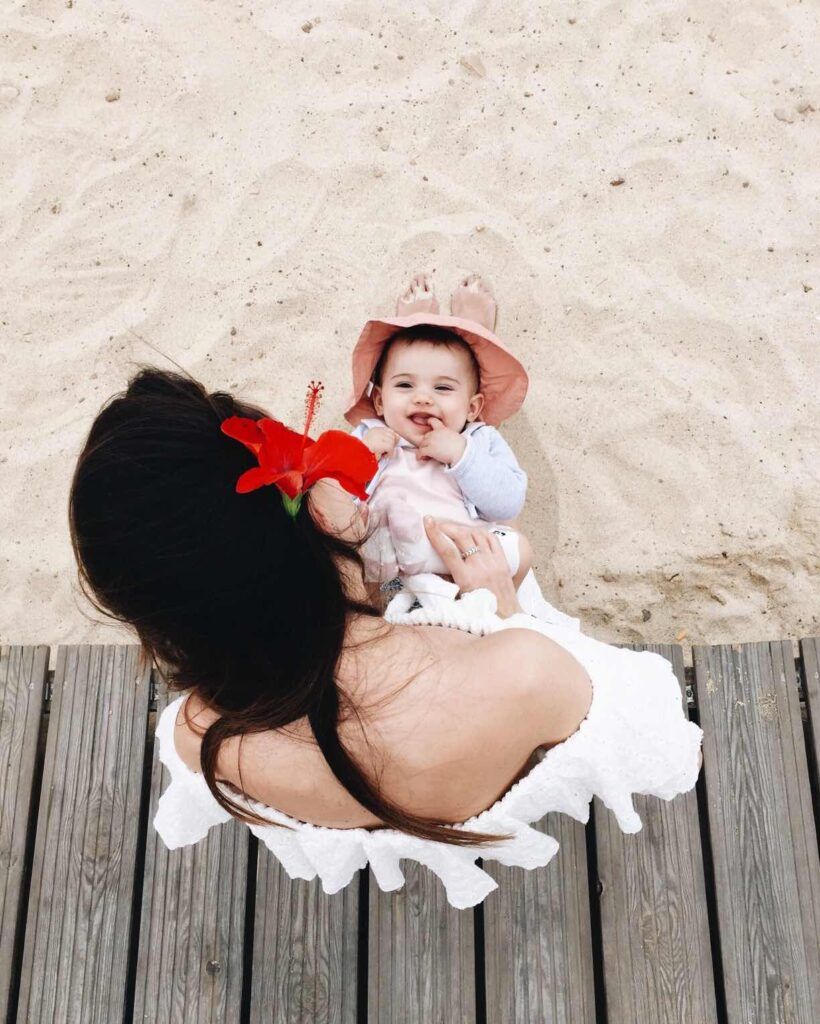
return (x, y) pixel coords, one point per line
(420, 380)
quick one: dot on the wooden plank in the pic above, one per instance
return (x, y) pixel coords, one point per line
(810, 652)
(305, 949)
(191, 945)
(764, 844)
(654, 922)
(79, 914)
(537, 936)
(23, 672)
(421, 953)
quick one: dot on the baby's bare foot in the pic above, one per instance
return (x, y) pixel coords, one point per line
(419, 297)
(473, 300)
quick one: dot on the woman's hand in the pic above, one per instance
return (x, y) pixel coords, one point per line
(486, 568)
(336, 510)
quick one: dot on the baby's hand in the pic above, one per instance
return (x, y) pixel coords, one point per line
(441, 443)
(381, 440)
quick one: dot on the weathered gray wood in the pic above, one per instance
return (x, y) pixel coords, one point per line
(23, 672)
(654, 922)
(421, 954)
(305, 949)
(189, 966)
(810, 653)
(537, 942)
(764, 844)
(79, 913)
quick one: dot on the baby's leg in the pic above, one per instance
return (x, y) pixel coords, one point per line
(517, 549)
(410, 542)
(525, 560)
(512, 523)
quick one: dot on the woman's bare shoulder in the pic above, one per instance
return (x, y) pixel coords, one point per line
(552, 689)
(498, 662)
(489, 684)
(514, 687)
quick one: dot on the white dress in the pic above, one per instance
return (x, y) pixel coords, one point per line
(634, 739)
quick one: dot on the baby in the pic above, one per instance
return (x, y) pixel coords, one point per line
(421, 383)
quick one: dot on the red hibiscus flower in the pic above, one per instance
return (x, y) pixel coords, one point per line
(294, 462)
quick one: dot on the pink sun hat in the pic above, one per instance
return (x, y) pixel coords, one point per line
(503, 383)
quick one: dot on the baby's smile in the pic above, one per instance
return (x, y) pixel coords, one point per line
(422, 419)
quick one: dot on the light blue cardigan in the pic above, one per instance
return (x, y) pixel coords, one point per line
(494, 486)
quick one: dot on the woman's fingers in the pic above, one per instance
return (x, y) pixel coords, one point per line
(481, 539)
(462, 536)
(441, 541)
(451, 539)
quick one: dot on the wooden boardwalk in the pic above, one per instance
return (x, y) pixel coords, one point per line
(710, 914)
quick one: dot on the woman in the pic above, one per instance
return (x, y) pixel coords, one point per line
(303, 699)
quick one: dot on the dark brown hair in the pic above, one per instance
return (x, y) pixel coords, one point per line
(435, 336)
(229, 596)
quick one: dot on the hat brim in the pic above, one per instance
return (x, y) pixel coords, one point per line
(504, 380)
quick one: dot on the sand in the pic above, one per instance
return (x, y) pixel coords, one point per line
(240, 185)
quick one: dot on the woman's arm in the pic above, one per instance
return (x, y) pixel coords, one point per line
(337, 511)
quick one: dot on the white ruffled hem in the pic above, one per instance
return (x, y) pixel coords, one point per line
(635, 739)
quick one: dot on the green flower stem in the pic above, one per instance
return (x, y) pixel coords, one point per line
(292, 504)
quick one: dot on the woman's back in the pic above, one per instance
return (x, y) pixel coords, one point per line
(235, 589)
(447, 745)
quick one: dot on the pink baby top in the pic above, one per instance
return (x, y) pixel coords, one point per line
(421, 484)
(403, 492)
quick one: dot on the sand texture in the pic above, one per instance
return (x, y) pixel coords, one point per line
(239, 185)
